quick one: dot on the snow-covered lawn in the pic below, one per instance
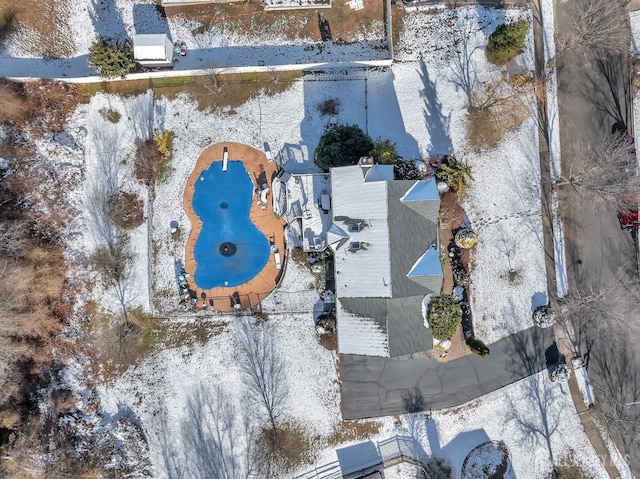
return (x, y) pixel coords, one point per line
(163, 388)
(419, 103)
(534, 417)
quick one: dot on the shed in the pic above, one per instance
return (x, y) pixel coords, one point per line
(153, 50)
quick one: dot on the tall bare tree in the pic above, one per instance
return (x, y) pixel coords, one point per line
(113, 263)
(14, 237)
(596, 27)
(604, 166)
(263, 368)
(600, 325)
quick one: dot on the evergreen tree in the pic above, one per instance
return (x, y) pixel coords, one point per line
(445, 316)
(384, 152)
(111, 59)
(342, 145)
(507, 41)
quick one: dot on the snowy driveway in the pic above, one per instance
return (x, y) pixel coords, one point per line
(376, 386)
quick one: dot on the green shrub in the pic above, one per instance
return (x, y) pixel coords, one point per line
(342, 145)
(454, 173)
(111, 59)
(478, 347)
(506, 42)
(164, 142)
(445, 316)
(384, 152)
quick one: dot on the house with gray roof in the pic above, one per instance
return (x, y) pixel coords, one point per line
(385, 238)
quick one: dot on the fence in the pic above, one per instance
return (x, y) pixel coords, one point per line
(290, 301)
(391, 451)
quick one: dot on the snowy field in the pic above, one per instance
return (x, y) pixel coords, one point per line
(419, 103)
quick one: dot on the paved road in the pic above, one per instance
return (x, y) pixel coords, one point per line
(374, 386)
(596, 249)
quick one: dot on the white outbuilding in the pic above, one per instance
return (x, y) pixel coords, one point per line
(153, 50)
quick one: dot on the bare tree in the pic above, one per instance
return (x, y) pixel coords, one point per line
(600, 314)
(213, 81)
(14, 237)
(263, 369)
(113, 263)
(596, 27)
(147, 160)
(218, 446)
(600, 325)
(604, 166)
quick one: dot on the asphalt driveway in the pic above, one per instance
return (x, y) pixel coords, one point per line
(375, 386)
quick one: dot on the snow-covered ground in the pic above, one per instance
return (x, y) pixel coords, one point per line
(503, 202)
(419, 103)
(218, 47)
(534, 417)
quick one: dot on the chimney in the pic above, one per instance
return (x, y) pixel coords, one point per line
(365, 163)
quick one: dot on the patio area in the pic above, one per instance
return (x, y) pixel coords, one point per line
(262, 173)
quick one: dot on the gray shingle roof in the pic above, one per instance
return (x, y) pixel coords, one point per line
(372, 283)
(410, 235)
(400, 318)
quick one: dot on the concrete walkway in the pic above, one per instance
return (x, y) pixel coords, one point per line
(375, 386)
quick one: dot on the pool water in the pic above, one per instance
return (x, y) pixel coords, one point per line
(230, 249)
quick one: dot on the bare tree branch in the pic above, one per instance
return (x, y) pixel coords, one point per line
(113, 262)
(14, 237)
(604, 166)
(263, 368)
(596, 27)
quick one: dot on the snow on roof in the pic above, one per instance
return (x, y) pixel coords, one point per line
(304, 194)
(427, 265)
(335, 235)
(358, 335)
(152, 46)
(422, 190)
(379, 173)
(358, 457)
(366, 271)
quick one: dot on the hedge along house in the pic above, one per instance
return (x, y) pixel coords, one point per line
(385, 236)
(153, 50)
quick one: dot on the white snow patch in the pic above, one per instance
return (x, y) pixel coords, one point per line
(534, 417)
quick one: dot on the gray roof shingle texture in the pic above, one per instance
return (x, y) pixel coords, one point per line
(412, 230)
(410, 235)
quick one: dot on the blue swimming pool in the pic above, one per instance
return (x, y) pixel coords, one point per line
(230, 249)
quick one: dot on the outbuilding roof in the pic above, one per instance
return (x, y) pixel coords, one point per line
(152, 46)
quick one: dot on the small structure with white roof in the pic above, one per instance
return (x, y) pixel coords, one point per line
(153, 50)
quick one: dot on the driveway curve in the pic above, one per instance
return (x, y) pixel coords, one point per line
(376, 386)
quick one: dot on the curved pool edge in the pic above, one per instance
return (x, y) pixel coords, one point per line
(265, 281)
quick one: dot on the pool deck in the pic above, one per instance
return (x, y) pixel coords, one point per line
(272, 227)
